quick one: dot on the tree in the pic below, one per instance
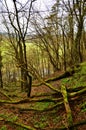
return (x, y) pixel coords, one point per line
(47, 36)
(37, 61)
(16, 22)
(1, 81)
(77, 11)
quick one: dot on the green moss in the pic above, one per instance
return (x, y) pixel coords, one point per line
(40, 125)
(65, 80)
(9, 117)
(69, 118)
(40, 121)
(79, 77)
(42, 105)
(3, 128)
(19, 128)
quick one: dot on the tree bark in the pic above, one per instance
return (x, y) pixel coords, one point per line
(1, 81)
(67, 107)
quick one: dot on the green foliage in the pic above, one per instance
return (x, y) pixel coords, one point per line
(3, 128)
(65, 80)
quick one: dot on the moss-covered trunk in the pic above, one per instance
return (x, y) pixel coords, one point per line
(67, 107)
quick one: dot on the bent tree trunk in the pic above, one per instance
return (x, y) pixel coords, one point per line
(26, 81)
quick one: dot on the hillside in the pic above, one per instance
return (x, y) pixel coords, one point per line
(58, 103)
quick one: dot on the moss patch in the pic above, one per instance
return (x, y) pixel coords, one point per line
(79, 77)
(42, 105)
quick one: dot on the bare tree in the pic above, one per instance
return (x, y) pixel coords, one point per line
(16, 22)
(47, 36)
(77, 12)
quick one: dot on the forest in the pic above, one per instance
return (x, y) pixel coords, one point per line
(42, 65)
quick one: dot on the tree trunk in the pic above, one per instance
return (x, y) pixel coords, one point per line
(64, 47)
(29, 85)
(27, 77)
(67, 107)
(22, 79)
(1, 82)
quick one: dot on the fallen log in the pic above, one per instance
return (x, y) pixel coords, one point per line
(71, 96)
(47, 84)
(32, 100)
(44, 95)
(40, 110)
(64, 75)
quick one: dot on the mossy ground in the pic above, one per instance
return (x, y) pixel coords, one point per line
(78, 79)
(45, 120)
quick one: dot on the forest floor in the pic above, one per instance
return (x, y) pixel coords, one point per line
(40, 112)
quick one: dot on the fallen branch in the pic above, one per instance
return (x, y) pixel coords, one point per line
(40, 110)
(43, 95)
(47, 84)
(20, 125)
(51, 87)
(82, 91)
(64, 75)
(38, 100)
(30, 100)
